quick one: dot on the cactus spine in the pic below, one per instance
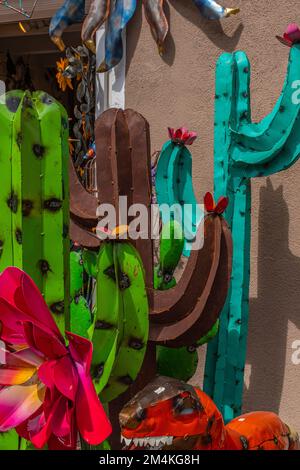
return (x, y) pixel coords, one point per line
(244, 150)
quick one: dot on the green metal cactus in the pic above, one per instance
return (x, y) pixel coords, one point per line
(34, 194)
(244, 150)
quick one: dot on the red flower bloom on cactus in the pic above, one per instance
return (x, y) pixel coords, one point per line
(291, 35)
(182, 136)
(212, 207)
(46, 391)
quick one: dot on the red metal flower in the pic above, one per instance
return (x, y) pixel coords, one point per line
(46, 391)
(182, 136)
(291, 35)
(212, 207)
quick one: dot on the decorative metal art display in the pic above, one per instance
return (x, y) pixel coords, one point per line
(131, 315)
(116, 14)
(171, 415)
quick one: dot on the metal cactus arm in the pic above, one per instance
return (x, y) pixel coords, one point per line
(244, 150)
(34, 201)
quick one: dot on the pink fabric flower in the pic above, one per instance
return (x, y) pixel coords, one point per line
(182, 136)
(291, 35)
(46, 391)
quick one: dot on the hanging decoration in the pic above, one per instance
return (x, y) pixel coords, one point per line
(211, 10)
(18, 7)
(116, 15)
(72, 11)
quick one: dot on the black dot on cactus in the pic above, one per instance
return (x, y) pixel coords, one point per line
(225, 95)
(98, 371)
(27, 207)
(18, 234)
(13, 202)
(245, 94)
(44, 266)
(53, 205)
(217, 97)
(126, 380)
(110, 272)
(168, 278)
(191, 349)
(12, 103)
(102, 325)
(19, 139)
(38, 150)
(124, 281)
(58, 307)
(282, 109)
(136, 343)
(47, 99)
(246, 70)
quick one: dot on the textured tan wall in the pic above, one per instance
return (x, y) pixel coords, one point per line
(179, 90)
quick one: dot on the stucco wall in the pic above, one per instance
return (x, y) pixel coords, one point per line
(179, 90)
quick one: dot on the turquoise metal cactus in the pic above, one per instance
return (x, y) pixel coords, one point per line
(34, 194)
(244, 150)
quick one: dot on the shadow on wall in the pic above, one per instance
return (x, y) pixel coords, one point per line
(277, 303)
(212, 29)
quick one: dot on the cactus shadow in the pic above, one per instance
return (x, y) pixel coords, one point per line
(212, 29)
(276, 304)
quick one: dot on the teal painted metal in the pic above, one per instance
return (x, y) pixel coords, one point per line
(244, 150)
(174, 190)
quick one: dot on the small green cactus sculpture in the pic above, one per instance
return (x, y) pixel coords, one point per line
(244, 150)
(174, 187)
(34, 194)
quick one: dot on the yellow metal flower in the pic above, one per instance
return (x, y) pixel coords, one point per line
(62, 80)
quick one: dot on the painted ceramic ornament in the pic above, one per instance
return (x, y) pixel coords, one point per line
(213, 10)
(291, 35)
(171, 415)
(46, 391)
(72, 11)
